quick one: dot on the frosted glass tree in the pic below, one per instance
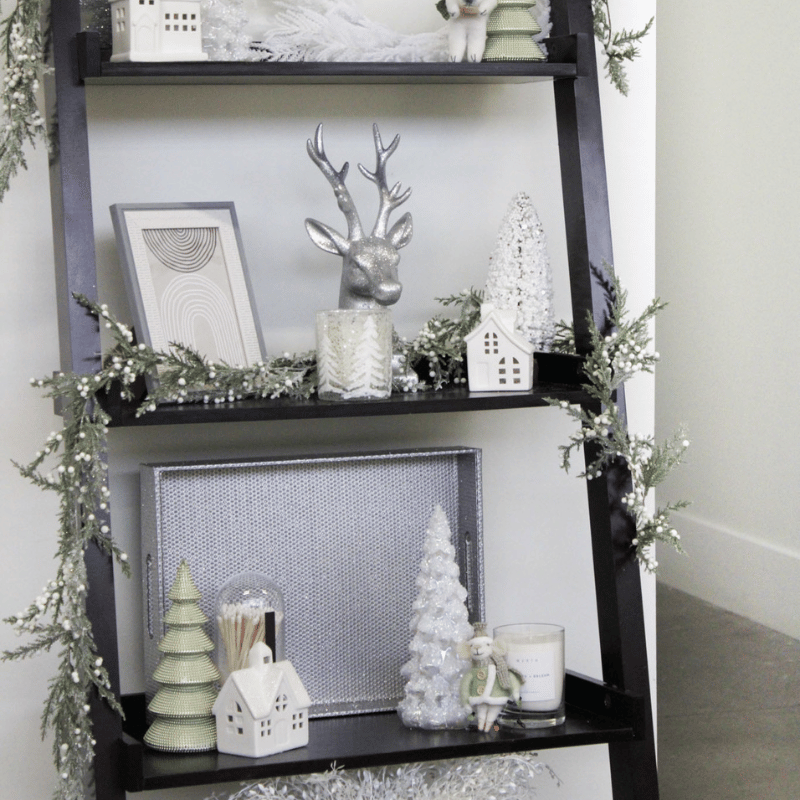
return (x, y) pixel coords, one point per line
(519, 273)
(225, 36)
(440, 623)
(187, 676)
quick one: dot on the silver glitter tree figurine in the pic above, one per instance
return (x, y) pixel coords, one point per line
(369, 261)
(520, 277)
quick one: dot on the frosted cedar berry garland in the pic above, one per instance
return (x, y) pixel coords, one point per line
(23, 53)
(71, 463)
(617, 46)
(615, 357)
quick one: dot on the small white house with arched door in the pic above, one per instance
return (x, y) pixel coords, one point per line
(498, 358)
(262, 709)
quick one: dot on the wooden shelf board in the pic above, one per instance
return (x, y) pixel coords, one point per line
(95, 68)
(371, 740)
(557, 376)
(227, 72)
(449, 400)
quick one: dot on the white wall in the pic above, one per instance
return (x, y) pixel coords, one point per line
(465, 151)
(727, 244)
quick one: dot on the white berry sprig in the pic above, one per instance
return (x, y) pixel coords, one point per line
(617, 354)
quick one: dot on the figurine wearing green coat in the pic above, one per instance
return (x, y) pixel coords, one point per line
(490, 683)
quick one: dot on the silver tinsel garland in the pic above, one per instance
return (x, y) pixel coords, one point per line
(511, 777)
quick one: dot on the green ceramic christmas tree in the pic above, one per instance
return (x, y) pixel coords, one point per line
(510, 32)
(186, 674)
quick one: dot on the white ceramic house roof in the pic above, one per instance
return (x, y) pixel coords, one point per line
(262, 709)
(258, 684)
(503, 320)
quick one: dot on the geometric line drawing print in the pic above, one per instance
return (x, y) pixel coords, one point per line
(182, 249)
(165, 242)
(194, 308)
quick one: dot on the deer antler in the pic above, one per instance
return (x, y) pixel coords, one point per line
(316, 151)
(390, 199)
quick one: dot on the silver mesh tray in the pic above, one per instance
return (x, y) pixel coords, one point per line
(342, 537)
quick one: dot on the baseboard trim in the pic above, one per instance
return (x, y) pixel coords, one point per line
(747, 576)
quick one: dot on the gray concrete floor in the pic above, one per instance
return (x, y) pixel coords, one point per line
(728, 704)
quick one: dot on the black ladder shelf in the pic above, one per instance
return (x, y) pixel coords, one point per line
(616, 711)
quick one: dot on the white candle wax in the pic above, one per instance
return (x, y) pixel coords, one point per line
(537, 652)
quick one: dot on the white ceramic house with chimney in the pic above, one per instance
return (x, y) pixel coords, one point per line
(262, 709)
(156, 30)
(498, 358)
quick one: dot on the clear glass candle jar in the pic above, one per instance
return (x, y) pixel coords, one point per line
(536, 651)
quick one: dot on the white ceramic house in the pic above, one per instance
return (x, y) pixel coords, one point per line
(156, 30)
(498, 358)
(262, 709)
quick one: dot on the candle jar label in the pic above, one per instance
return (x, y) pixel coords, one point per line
(538, 670)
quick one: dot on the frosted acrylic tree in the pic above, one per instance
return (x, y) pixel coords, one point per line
(440, 624)
(186, 675)
(519, 273)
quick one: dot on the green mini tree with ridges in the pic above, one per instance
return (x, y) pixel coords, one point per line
(510, 32)
(186, 674)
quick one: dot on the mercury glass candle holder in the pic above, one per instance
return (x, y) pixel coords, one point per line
(354, 353)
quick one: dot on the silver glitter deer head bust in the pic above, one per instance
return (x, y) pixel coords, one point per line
(369, 261)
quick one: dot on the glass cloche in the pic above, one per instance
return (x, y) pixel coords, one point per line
(249, 609)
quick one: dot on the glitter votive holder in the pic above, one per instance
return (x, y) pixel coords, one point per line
(354, 354)
(536, 650)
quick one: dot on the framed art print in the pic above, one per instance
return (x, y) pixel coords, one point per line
(187, 280)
